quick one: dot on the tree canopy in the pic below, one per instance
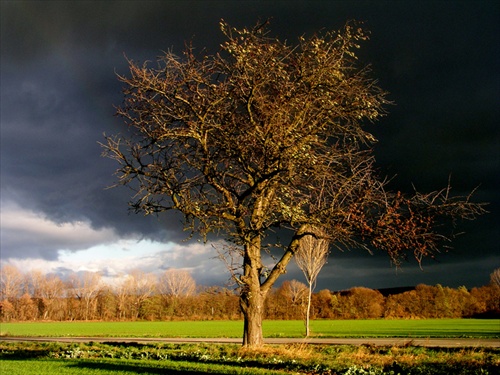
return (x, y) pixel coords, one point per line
(265, 135)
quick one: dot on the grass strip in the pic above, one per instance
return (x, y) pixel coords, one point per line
(122, 367)
(446, 328)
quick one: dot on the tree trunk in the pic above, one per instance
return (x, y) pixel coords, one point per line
(252, 305)
(254, 293)
(252, 296)
(308, 311)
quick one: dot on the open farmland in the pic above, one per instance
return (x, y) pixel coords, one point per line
(463, 328)
(87, 356)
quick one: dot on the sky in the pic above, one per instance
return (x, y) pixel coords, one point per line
(439, 60)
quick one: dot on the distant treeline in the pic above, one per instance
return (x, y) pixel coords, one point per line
(174, 296)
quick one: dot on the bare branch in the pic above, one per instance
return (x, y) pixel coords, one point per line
(266, 135)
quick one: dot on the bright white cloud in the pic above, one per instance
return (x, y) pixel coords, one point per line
(31, 241)
(24, 231)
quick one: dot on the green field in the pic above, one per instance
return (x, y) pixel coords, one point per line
(485, 328)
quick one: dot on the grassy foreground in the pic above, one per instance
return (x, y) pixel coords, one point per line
(120, 359)
(476, 328)
(162, 358)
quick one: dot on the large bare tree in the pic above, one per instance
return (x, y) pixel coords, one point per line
(176, 283)
(85, 286)
(263, 136)
(173, 284)
(11, 282)
(137, 287)
(495, 277)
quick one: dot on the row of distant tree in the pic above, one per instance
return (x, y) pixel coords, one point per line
(174, 295)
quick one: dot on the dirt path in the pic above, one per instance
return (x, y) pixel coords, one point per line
(427, 342)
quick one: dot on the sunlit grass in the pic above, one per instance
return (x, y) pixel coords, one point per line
(407, 328)
(486, 328)
(116, 358)
(123, 367)
(125, 329)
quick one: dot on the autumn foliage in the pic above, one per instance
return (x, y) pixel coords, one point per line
(33, 296)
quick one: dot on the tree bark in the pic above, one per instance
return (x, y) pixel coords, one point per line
(252, 296)
(252, 305)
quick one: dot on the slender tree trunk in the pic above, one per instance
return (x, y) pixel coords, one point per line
(308, 311)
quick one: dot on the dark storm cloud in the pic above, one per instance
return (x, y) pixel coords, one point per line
(438, 60)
